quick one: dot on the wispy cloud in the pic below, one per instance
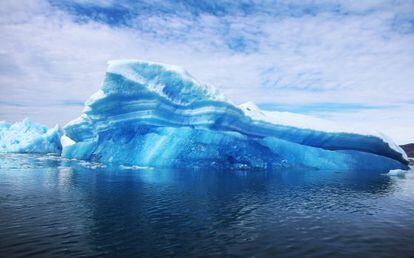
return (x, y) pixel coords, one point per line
(290, 54)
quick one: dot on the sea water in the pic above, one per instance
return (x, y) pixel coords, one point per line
(55, 207)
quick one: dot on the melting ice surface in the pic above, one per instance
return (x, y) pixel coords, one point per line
(28, 137)
(150, 114)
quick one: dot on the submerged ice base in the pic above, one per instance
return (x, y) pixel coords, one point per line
(28, 137)
(150, 114)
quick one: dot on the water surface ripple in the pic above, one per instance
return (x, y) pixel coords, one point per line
(62, 208)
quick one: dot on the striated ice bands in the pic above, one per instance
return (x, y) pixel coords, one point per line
(150, 114)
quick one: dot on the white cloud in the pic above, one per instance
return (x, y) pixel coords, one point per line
(395, 121)
(47, 58)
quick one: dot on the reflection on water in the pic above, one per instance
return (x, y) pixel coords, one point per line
(55, 207)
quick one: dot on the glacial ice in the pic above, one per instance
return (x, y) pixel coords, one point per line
(28, 137)
(156, 115)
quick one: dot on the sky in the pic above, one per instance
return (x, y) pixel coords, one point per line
(351, 62)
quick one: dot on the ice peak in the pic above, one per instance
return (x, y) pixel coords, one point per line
(169, 81)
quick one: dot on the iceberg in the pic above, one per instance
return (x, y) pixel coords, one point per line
(28, 137)
(155, 115)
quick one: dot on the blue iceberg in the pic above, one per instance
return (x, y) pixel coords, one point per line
(151, 114)
(28, 137)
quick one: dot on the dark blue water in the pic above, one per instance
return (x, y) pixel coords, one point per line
(52, 207)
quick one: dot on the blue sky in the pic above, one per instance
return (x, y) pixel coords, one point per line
(348, 61)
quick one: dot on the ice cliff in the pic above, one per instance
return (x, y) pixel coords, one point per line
(28, 137)
(151, 114)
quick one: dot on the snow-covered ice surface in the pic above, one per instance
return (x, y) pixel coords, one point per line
(154, 115)
(28, 137)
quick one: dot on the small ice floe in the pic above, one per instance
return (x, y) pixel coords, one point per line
(91, 165)
(53, 156)
(65, 169)
(134, 167)
(49, 156)
(397, 172)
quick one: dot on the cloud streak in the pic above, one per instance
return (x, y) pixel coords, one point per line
(288, 53)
